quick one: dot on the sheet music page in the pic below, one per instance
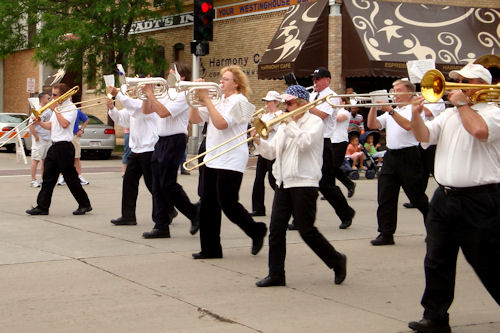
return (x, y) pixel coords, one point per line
(109, 80)
(417, 69)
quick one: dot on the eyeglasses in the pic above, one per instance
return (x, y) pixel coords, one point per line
(226, 79)
(55, 95)
(464, 80)
(289, 103)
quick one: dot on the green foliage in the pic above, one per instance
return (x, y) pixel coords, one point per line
(92, 36)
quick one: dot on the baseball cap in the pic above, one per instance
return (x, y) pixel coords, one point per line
(294, 92)
(321, 72)
(272, 96)
(472, 71)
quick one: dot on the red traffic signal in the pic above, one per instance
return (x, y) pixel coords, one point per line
(204, 14)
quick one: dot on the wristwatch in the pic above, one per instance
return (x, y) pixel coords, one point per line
(461, 103)
(391, 112)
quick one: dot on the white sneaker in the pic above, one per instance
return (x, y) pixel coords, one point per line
(61, 181)
(35, 183)
(83, 181)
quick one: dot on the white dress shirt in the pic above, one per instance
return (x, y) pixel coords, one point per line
(237, 158)
(330, 122)
(396, 136)
(178, 120)
(462, 160)
(58, 133)
(298, 150)
(341, 130)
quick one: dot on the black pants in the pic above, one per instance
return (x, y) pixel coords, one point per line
(402, 168)
(470, 222)
(339, 150)
(221, 192)
(201, 170)
(428, 156)
(138, 165)
(61, 159)
(301, 203)
(327, 187)
(263, 166)
(167, 157)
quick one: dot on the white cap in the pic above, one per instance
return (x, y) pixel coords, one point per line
(472, 71)
(272, 96)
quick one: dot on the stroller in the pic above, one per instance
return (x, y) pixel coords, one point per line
(371, 164)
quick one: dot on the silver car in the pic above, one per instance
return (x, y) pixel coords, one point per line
(7, 122)
(98, 137)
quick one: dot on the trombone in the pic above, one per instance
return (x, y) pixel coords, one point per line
(37, 113)
(261, 127)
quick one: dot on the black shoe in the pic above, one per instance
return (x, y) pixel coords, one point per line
(256, 213)
(201, 255)
(350, 191)
(429, 326)
(172, 215)
(195, 222)
(408, 205)
(383, 240)
(340, 270)
(292, 226)
(258, 242)
(37, 211)
(271, 281)
(347, 223)
(157, 233)
(82, 210)
(124, 221)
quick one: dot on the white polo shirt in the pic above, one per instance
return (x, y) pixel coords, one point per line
(462, 160)
(178, 120)
(331, 120)
(58, 133)
(236, 159)
(396, 136)
(341, 130)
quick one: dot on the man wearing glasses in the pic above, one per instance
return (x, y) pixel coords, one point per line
(60, 157)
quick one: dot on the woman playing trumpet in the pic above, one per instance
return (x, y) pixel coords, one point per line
(223, 175)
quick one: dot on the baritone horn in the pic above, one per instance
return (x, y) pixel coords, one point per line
(262, 129)
(175, 86)
(134, 86)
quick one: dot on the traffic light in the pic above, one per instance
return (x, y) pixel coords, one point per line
(204, 14)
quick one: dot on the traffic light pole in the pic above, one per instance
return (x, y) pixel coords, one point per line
(195, 129)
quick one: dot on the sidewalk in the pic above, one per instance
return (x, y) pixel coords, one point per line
(65, 273)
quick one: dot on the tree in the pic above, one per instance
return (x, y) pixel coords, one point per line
(83, 36)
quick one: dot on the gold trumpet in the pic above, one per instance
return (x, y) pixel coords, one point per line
(262, 129)
(37, 113)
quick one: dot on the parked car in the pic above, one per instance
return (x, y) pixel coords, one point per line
(98, 137)
(7, 122)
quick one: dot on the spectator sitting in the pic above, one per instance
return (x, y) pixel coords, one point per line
(371, 147)
(355, 154)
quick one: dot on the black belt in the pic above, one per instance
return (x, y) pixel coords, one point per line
(449, 190)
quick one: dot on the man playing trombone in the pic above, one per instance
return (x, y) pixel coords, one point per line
(298, 149)
(60, 156)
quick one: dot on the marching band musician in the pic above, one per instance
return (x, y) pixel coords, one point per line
(60, 156)
(223, 175)
(298, 149)
(143, 137)
(264, 165)
(465, 208)
(172, 122)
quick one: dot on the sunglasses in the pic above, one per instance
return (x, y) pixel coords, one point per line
(288, 103)
(55, 95)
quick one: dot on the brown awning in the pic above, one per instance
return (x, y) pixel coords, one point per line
(378, 38)
(300, 44)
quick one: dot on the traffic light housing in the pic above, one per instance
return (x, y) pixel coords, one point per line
(204, 14)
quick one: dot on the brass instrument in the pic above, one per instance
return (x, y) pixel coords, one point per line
(134, 85)
(37, 113)
(492, 63)
(259, 113)
(175, 86)
(262, 130)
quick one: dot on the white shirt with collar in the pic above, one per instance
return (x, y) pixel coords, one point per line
(462, 160)
(58, 133)
(143, 127)
(330, 122)
(270, 116)
(298, 150)
(43, 133)
(341, 130)
(237, 158)
(177, 122)
(396, 136)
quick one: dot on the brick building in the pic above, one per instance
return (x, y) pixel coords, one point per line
(243, 30)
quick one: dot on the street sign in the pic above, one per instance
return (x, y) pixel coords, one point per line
(30, 85)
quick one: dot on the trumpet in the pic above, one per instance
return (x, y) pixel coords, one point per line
(37, 113)
(134, 86)
(262, 129)
(175, 86)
